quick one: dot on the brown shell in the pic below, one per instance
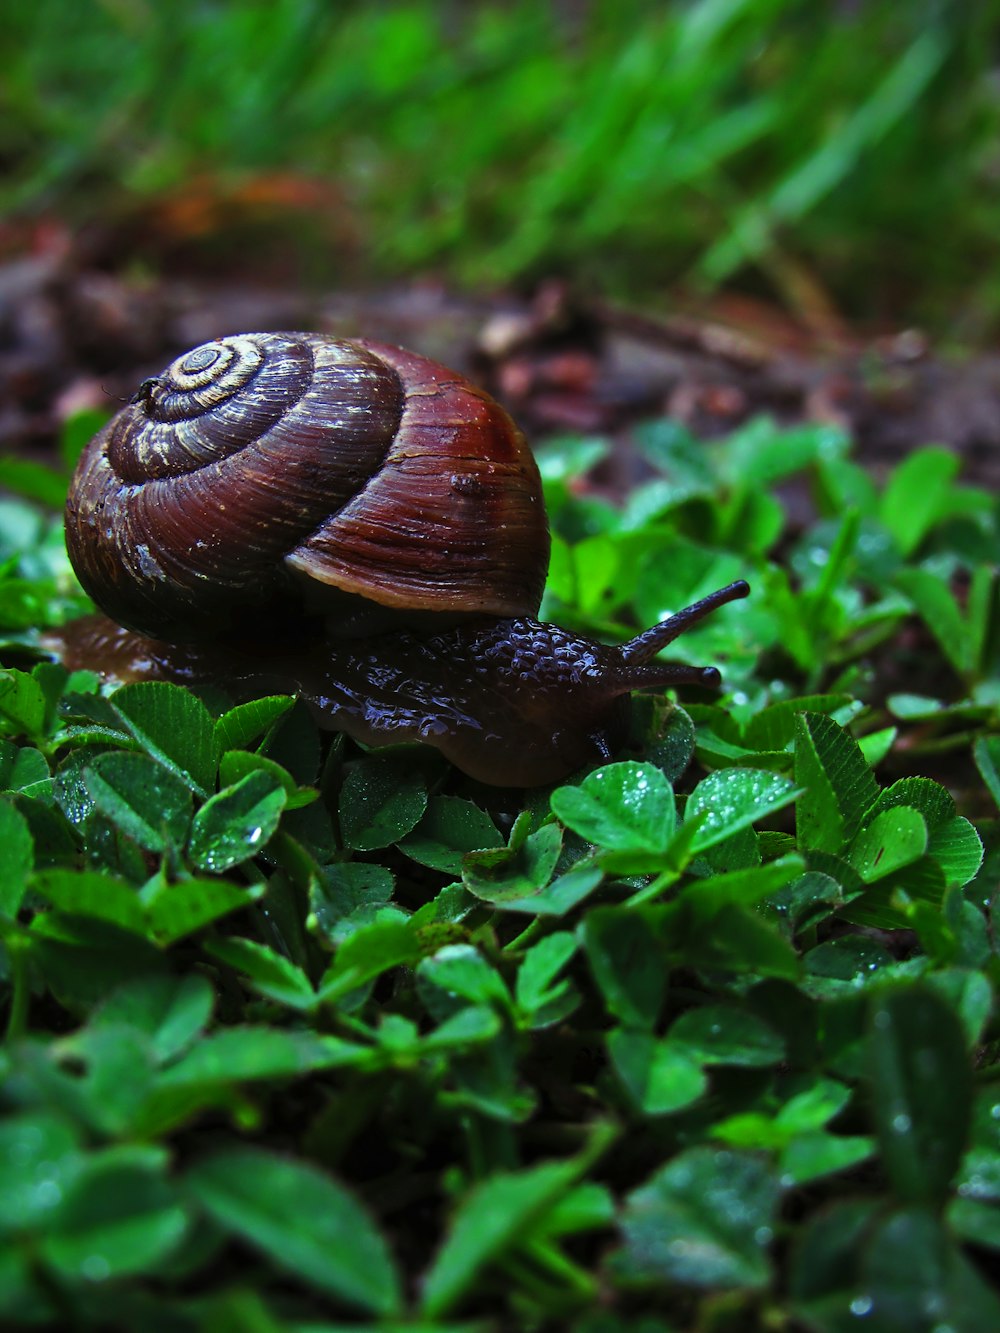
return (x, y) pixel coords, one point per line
(262, 460)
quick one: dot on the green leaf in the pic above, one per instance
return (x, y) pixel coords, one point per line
(251, 1053)
(89, 893)
(975, 1221)
(910, 1275)
(819, 821)
(16, 860)
(624, 807)
(704, 1220)
(380, 802)
(235, 765)
(516, 873)
(236, 728)
(367, 953)
(583, 1208)
(808, 899)
(569, 456)
(733, 939)
(851, 958)
(773, 728)
(987, 755)
(344, 897)
(838, 786)
(294, 743)
(876, 746)
(40, 1157)
(734, 798)
(557, 898)
(815, 1154)
(118, 1073)
(940, 613)
(448, 830)
(119, 1216)
(140, 797)
(958, 850)
(979, 1176)
(739, 888)
(35, 481)
(22, 768)
(660, 1076)
(894, 838)
(168, 913)
(982, 609)
(968, 992)
(303, 1221)
(488, 1224)
(628, 963)
(170, 1011)
(888, 902)
(818, 1103)
(172, 726)
(459, 972)
(234, 825)
(922, 1090)
(720, 1034)
(596, 563)
(826, 1260)
(77, 431)
(23, 705)
(672, 746)
(935, 803)
(175, 910)
(761, 451)
(801, 1118)
(270, 973)
(82, 959)
(912, 499)
(473, 1026)
(539, 968)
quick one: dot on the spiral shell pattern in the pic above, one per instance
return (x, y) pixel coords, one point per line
(261, 463)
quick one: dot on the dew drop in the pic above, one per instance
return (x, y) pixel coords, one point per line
(95, 1268)
(47, 1194)
(862, 1305)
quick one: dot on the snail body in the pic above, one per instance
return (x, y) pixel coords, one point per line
(361, 525)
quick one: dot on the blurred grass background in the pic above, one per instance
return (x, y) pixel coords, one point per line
(833, 155)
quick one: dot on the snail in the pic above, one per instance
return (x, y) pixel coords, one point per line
(351, 521)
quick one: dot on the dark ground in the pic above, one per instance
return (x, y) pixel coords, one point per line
(74, 336)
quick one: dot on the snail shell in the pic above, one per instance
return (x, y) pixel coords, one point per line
(265, 476)
(263, 462)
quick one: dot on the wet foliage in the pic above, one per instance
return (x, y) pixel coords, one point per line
(840, 157)
(299, 1036)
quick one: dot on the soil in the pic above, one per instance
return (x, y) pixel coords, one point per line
(76, 336)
